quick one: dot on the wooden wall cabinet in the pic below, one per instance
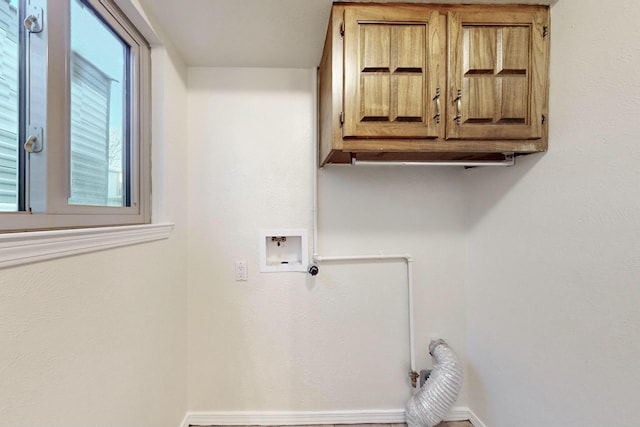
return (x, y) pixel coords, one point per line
(433, 82)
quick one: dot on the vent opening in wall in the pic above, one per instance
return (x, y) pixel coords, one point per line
(283, 250)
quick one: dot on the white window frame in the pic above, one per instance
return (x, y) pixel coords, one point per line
(48, 171)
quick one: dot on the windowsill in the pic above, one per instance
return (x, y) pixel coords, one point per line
(34, 246)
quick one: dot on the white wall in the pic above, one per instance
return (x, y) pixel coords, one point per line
(285, 341)
(100, 339)
(553, 296)
(530, 272)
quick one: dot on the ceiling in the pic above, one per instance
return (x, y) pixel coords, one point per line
(244, 33)
(253, 33)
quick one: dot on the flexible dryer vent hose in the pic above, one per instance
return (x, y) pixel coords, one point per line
(431, 403)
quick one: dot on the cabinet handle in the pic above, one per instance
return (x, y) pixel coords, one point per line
(458, 103)
(436, 98)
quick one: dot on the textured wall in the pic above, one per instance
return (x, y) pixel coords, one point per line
(100, 339)
(284, 341)
(554, 301)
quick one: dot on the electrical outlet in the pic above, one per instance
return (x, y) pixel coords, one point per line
(241, 271)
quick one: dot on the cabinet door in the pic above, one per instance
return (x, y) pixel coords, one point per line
(497, 81)
(392, 59)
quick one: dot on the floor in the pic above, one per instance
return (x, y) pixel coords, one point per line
(443, 424)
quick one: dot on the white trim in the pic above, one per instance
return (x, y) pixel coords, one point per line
(139, 20)
(458, 413)
(474, 419)
(281, 418)
(185, 420)
(34, 246)
(297, 418)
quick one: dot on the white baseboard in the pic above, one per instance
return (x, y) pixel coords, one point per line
(475, 420)
(458, 413)
(269, 418)
(185, 420)
(385, 416)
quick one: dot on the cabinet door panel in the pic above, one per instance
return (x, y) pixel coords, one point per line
(514, 45)
(375, 97)
(479, 50)
(514, 96)
(376, 47)
(408, 92)
(497, 61)
(410, 48)
(387, 61)
(479, 105)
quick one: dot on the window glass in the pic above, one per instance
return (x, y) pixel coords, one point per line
(99, 104)
(9, 107)
(76, 81)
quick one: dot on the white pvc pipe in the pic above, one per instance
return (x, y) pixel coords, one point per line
(316, 166)
(318, 258)
(409, 261)
(361, 257)
(412, 353)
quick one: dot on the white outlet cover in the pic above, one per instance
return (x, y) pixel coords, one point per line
(241, 271)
